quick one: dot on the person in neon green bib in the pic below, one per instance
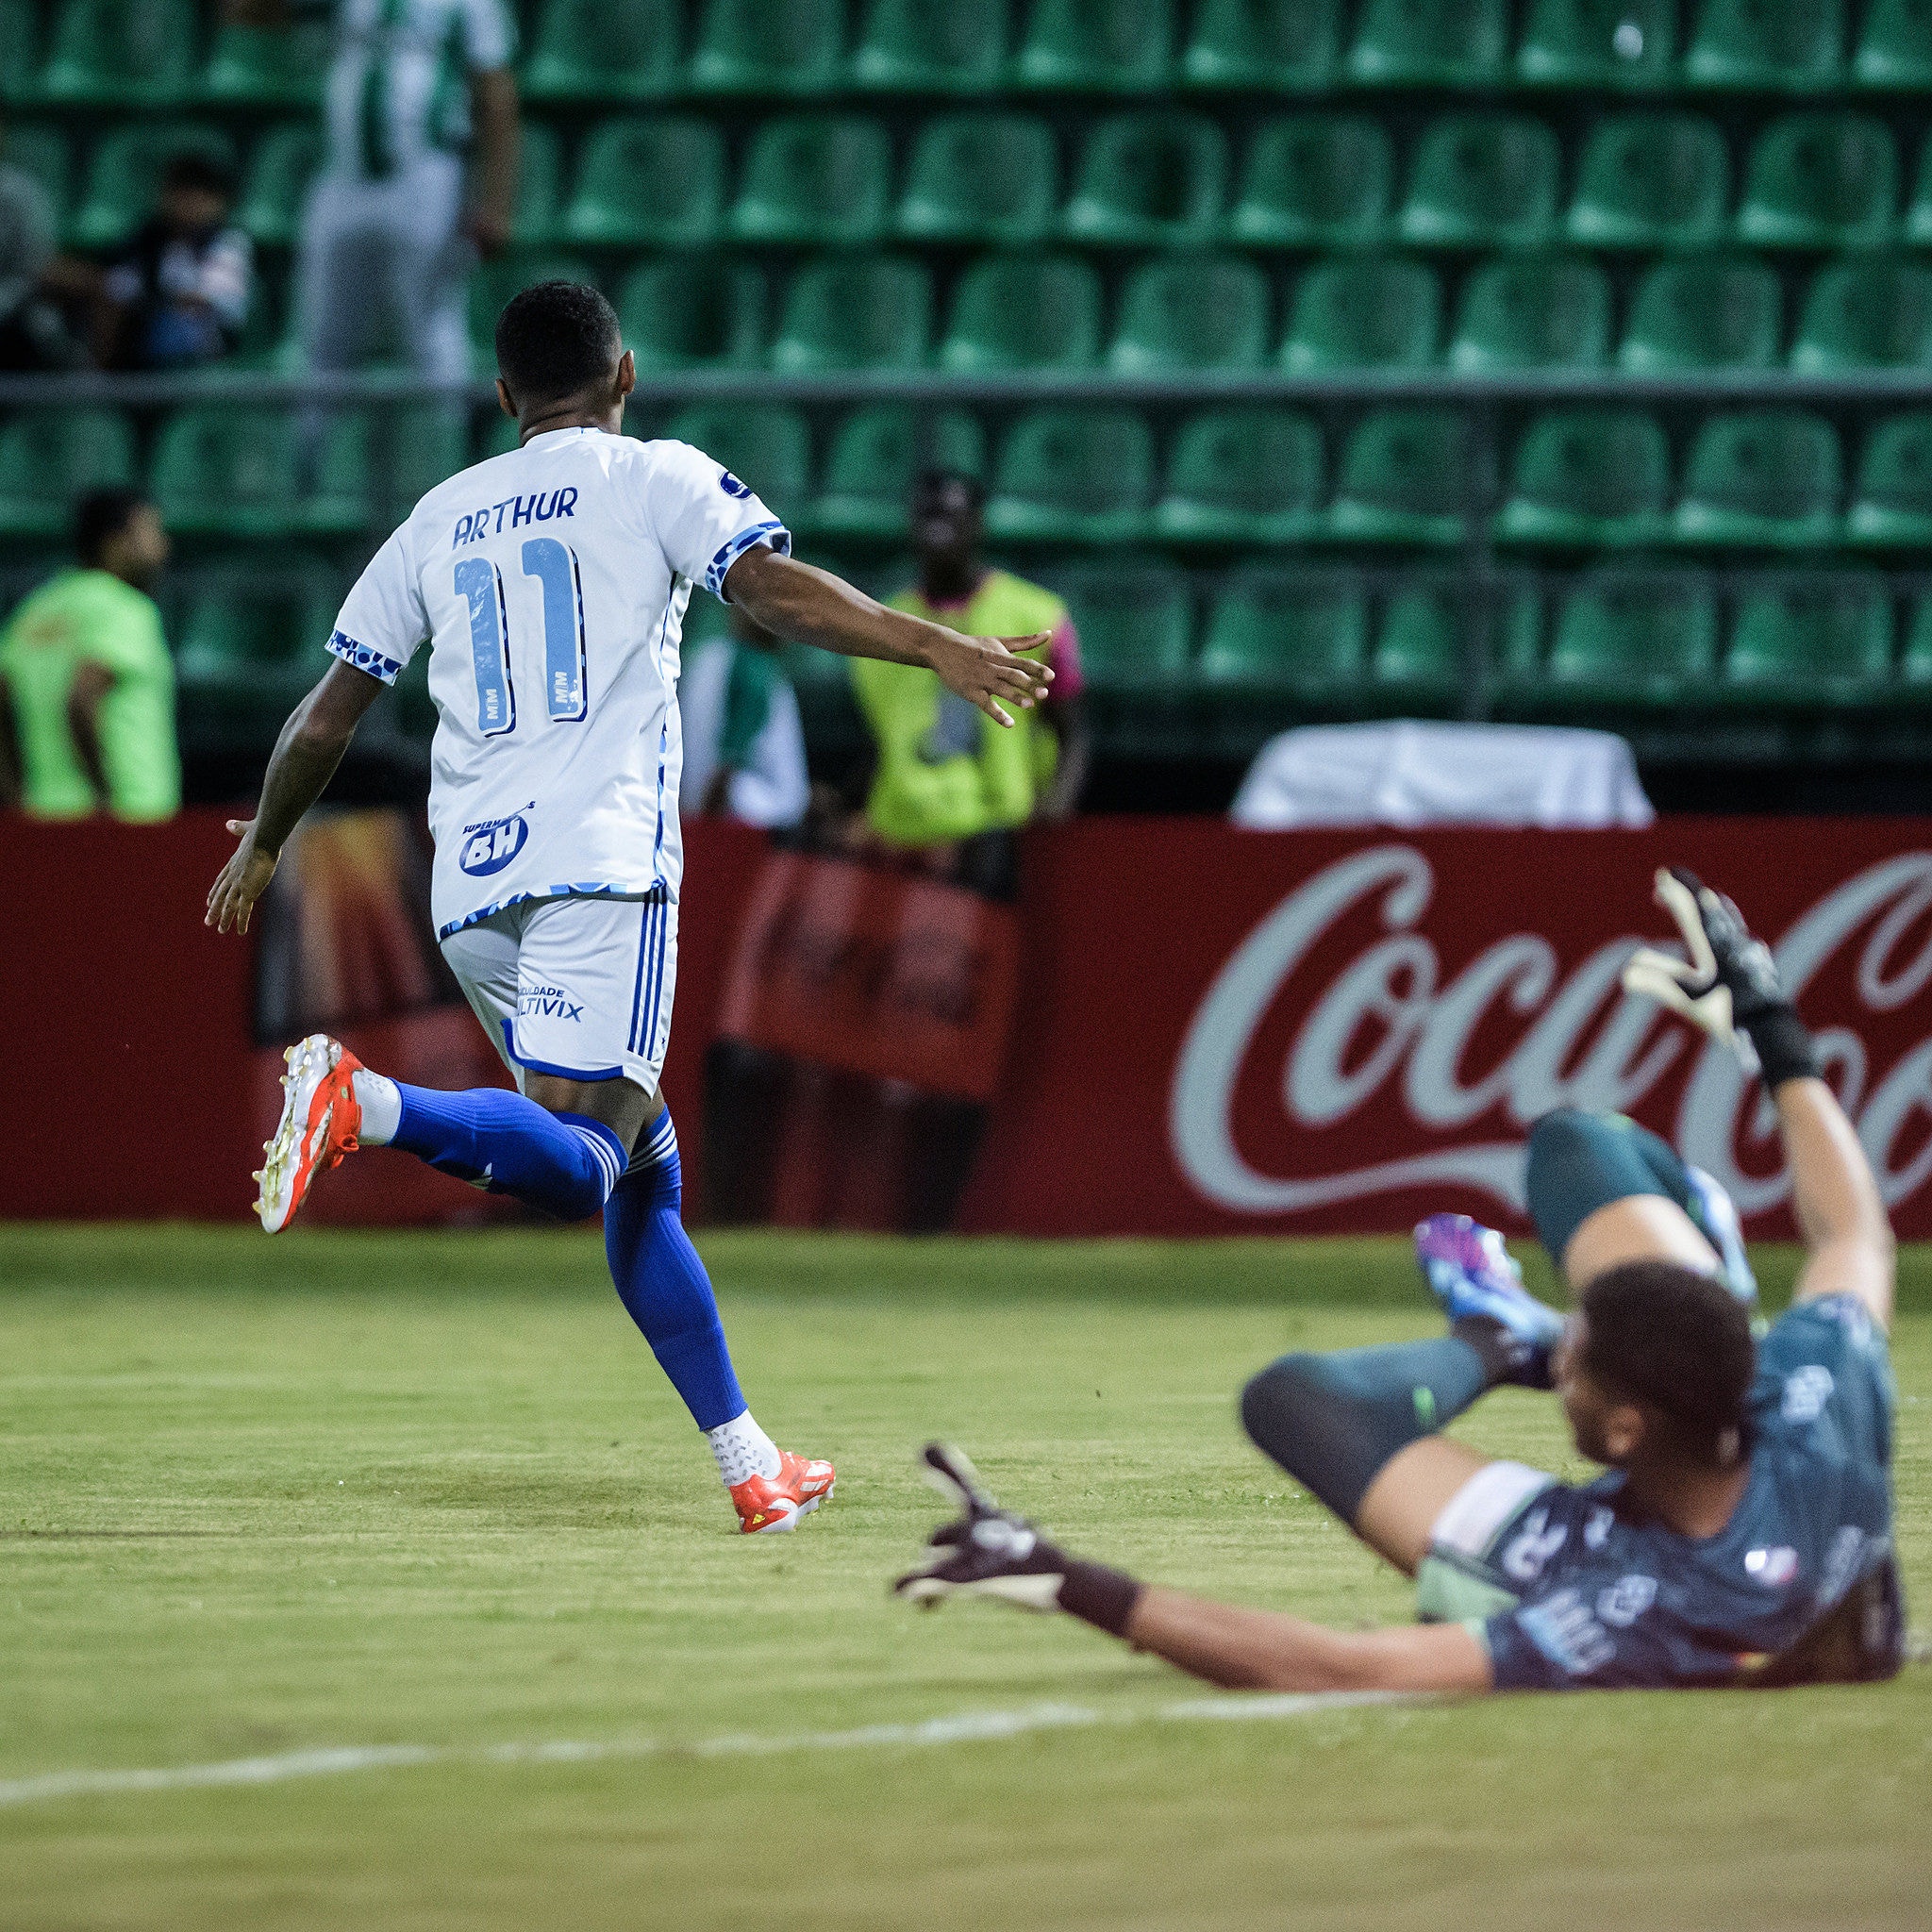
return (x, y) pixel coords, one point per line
(940, 778)
(86, 677)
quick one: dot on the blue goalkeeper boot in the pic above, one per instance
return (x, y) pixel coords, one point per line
(1474, 1277)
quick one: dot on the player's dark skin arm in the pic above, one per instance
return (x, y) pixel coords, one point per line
(91, 683)
(305, 759)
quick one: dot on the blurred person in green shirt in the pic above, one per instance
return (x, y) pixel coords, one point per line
(86, 677)
(940, 778)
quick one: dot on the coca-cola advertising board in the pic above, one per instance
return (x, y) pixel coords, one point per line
(1231, 1032)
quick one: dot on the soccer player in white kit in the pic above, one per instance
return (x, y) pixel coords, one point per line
(550, 585)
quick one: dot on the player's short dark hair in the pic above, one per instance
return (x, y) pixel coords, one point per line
(931, 483)
(195, 169)
(1674, 1340)
(555, 339)
(102, 515)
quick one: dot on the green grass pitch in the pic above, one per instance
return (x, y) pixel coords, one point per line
(430, 1494)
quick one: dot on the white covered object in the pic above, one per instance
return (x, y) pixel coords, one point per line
(1410, 774)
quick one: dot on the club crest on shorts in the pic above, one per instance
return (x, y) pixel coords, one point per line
(491, 845)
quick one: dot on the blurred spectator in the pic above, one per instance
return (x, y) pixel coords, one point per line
(392, 227)
(945, 773)
(86, 670)
(36, 281)
(178, 292)
(743, 747)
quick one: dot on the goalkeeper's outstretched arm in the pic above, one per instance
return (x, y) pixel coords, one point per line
(1849, 1241)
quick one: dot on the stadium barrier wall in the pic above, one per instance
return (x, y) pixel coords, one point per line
(1219, 1032)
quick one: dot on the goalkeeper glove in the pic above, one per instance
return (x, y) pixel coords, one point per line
(1728, 986)
(987, 1550)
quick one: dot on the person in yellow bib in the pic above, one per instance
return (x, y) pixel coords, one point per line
(86, 677)
(940, 778)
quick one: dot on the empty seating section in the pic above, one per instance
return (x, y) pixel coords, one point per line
(1189, 198)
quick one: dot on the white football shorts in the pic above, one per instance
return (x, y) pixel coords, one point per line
(577, 987)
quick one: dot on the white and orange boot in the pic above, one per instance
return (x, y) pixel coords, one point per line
(321, 1118)
(768, 1503)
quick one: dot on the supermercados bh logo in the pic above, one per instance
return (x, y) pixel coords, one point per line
(1399, 1074)
(488, 847)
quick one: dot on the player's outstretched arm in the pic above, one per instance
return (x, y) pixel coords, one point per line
(812, 607)
(306, 757)
(1728, 986)
(989, 1551)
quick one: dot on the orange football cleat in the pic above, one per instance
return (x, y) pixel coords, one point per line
(321, 1118)
(767, 1502)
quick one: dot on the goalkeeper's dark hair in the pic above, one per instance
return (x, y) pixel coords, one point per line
(555, 339)
(101, 515)
(1677, 1343)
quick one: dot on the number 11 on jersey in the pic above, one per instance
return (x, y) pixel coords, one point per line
(565, 683)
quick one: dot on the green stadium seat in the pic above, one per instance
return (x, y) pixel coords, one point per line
(1532, 312)
(48, 457)
(1791, 45)
(1315, 181)
(1819, 642)
(1269, 46)
(932, 47)
(491, 286)
(1024, 312)
(1421, 660)
(1762, 476)
(1482, 181)
(1287, 632)
(1639, 642)
(1652, 181)
(1136, 629)
(1405, 478)
(1590, 477)
(1364, 313)
(1150, 179)
(694, 311)
(1896, 47)
(20, 51)
(768, 448)
(121, 54)
(856, 312)
(876, 457)
(604, 50)
(1892, 501)
(43, 153)
(1096, 46)
(1183, 312)
(1430, 43)
(126, 177)
(223, 470)
(250, 648)
(1704, 312)
(266, 67)
(1874, 314)
(1598, 44)
(373, 465)
(1918, 216)
(752, 47)
(818, 179)
(648, 182)
(539, 211)
(1250, 477)
(1079, 475)
(1821, 181)
(981, 178)
(280, 169)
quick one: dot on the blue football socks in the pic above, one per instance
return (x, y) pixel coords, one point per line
(565, 1163)
(663, 1284)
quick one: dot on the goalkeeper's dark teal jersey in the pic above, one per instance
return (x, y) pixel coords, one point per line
(1799, 1586)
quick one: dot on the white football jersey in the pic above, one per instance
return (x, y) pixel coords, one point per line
(550, 585)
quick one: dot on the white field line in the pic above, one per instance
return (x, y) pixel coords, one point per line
(962, 1728)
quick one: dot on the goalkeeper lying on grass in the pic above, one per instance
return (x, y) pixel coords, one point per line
(1742, 1533)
